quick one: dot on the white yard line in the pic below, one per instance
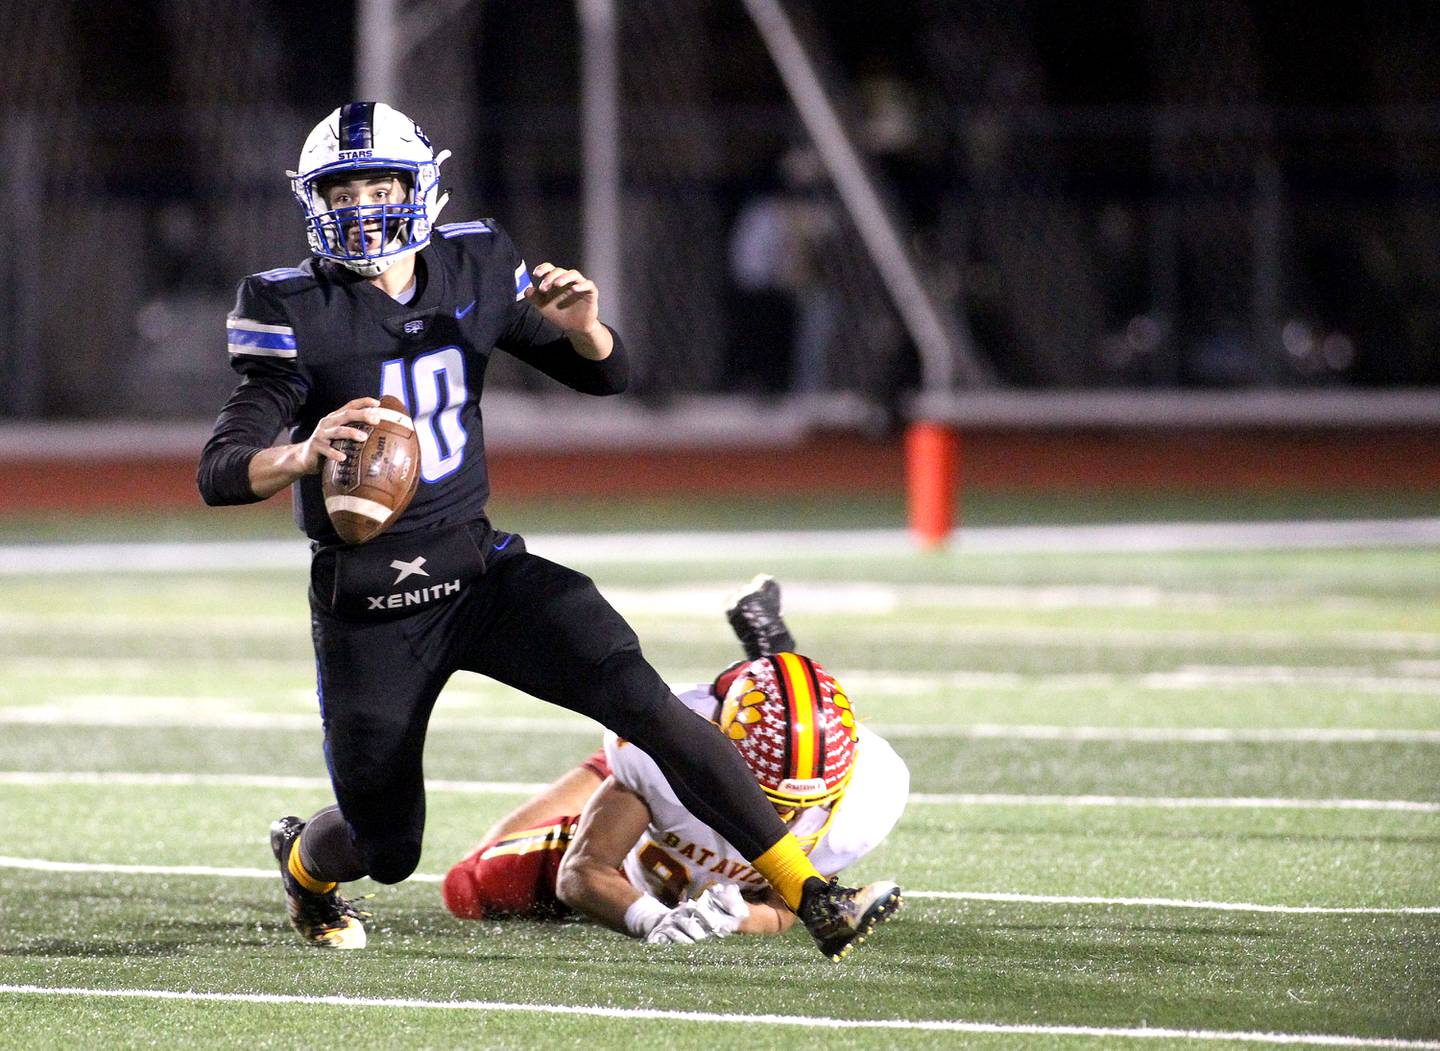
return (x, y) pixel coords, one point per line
(42, 779)
(46, 865)
(888, 682)
(103, 711)
(807, 1022)
(1173, 903)
(1090, 637)
(87, 626)
(1172, 802)
(1410, 675)
(91, 714)
(1159, 734)
(1200, 536)
(604, 548)
(1243, 677)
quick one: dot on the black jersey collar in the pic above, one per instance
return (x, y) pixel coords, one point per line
(411, 319)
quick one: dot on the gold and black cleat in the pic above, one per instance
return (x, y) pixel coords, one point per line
(839, 918)
(326, 920)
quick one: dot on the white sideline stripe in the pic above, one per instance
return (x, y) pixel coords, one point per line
(45, 865)
(603, 548)
(1173, 802)
(1410, 675)
(44, 778)
(1407, 642)
(655, 1014)
(38, 779)
(371, 509)
(1175, 903)
(51, 715)
(1168, 735)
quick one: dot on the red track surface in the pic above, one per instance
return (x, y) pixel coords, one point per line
(1399, 459)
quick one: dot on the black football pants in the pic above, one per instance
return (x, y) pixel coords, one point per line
(536, 626)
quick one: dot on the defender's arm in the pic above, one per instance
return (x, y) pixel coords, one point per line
(590, 879)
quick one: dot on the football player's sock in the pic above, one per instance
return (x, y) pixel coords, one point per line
(787, 868)
(326, 852)
(303, 875)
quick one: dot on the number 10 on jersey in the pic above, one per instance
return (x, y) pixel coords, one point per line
(432, 387)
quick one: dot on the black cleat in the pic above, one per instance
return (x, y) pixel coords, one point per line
(839, 918)
(754, 613)
(329, 920)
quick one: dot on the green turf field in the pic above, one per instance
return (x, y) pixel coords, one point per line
(1195, 794)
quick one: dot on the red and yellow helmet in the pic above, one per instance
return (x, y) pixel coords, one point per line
(793, 724)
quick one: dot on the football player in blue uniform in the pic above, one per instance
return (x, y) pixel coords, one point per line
(392, 303)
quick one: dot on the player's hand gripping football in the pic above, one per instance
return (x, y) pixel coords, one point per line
(716, 913)
(279, 466)
(320, 446)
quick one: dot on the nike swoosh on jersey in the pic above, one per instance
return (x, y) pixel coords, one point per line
(462, 311)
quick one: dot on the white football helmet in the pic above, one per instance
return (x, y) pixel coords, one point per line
(359, 138)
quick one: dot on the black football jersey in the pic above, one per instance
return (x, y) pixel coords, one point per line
(308, 339)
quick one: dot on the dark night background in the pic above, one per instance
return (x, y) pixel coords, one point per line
(1136, 194)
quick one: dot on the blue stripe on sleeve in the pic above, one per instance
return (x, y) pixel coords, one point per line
(239, 337)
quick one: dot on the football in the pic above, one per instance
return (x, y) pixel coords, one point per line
(375, 483)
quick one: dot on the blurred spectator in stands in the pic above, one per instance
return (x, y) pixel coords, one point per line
(787, 311)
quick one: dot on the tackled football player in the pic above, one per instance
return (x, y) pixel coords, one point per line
(638, 862)
(390, 303)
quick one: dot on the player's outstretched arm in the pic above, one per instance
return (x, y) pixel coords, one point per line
(590, 880)
(277, 467)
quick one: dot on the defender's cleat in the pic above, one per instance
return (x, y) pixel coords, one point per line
(754, 613)
(839, 918)
(329, 920)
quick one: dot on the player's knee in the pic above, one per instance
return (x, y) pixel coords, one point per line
(394, 860)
